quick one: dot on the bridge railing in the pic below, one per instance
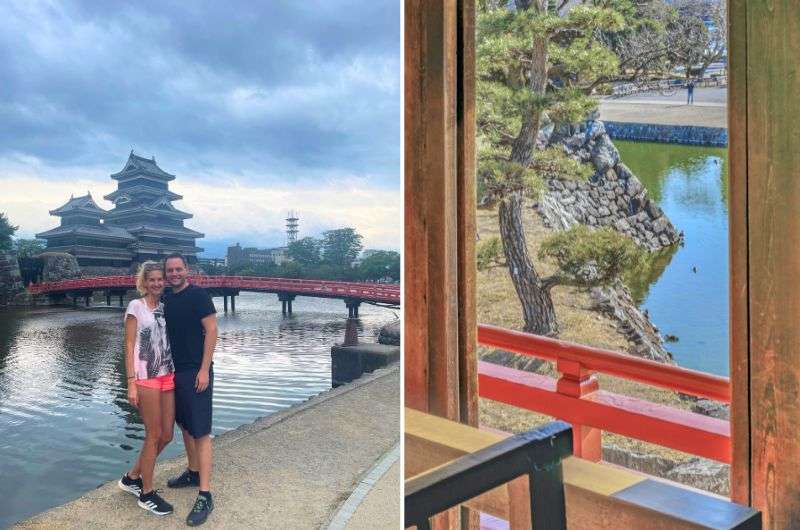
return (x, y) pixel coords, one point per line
(378, 292)
(575, 396)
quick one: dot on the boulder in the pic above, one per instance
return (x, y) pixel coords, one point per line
(703, 474)
(390, 334)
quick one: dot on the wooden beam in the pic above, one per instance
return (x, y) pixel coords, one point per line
(773, 188)
(439, 334)
(738, 249)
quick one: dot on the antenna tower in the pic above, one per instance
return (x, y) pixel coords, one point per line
(291, 227)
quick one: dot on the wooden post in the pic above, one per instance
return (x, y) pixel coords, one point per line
(121, 303)
(108, 298)
(764, 131)
(233, 303)
(225, 302)
(576, 381)
(440, 344)
(439, 334)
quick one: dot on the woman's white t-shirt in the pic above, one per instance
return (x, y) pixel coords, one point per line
(151, 352)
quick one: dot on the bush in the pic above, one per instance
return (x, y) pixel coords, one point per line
(587, 257)
(489, 252)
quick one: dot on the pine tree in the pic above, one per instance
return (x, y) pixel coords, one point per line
(536, 63)
(7, 230)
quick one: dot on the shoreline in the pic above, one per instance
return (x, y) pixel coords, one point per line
(306, 498)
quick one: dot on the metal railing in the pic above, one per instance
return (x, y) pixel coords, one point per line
(537, 454)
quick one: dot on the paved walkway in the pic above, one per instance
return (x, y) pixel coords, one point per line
(708, 110)
(294, 469)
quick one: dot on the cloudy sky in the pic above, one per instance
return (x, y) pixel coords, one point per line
(256, 107)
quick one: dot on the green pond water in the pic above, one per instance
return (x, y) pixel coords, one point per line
(685, 289)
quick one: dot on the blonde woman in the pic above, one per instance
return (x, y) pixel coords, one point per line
(148, 362)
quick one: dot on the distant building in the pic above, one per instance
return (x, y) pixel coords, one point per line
(143, 225)
(242, 256)
(215, 263)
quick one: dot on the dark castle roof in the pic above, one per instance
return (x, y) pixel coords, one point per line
(138, 165)
(84, 204)
(100, 231)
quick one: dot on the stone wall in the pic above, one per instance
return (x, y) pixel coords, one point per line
(613, 196)
(671, 134)
(59, 266)
(10, 279)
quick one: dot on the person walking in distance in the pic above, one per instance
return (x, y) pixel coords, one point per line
(690, 92)
(192, 328)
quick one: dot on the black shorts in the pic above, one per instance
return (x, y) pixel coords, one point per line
(192, 408)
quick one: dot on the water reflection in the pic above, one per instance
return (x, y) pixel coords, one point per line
(685, 289)
(65, 422)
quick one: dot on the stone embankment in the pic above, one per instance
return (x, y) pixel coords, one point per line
(59, 266)
(10, 279)
(670, 134)
(613, 196)
(645, 340)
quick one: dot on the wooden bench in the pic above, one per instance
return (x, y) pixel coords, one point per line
(598, 496)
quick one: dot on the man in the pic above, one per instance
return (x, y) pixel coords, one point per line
(192, 329)
(690, 92)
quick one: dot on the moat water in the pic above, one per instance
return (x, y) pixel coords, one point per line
(685, 290)
(66, 426)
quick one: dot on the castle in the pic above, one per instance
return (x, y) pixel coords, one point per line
(142, 225)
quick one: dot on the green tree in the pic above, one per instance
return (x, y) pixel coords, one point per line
(587, 257)
(341, 247)
(538, 61)
(379, 265)
(7, 230)
(305, 252)
(27, 248)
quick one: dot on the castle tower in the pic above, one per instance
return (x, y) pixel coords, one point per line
(143, 207)
(291, 227)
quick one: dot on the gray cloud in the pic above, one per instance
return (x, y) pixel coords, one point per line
(270, 90)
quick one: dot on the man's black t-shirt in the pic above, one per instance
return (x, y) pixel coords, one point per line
(184, 311)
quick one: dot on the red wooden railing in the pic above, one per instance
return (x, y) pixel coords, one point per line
(576, 397)
(383, 293)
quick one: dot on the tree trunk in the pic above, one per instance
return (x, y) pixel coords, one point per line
(537, 305)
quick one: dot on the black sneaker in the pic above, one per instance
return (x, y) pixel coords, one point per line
(202, 507)
(131, 485)
(185, 479)
(153, 502)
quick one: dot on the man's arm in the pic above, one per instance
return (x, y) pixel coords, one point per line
(209, 341)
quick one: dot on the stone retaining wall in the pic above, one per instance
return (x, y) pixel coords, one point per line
(671, 134)
(10, 279)
(613, 196)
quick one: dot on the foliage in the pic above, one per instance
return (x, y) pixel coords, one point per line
(488, 252)
(7, 230)
(380, 265)
(573, 57)
(27, 248)
(587, 257)
(501, 177)
(341, 247)
(306, 251)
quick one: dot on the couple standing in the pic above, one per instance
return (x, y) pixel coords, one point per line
(169, 343)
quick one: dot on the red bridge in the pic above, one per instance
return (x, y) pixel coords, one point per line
(353, 293)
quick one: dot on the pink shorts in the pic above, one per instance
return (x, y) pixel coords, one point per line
(162, 382)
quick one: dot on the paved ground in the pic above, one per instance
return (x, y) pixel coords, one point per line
(292, 470)
(377, 510)
(708, 110)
